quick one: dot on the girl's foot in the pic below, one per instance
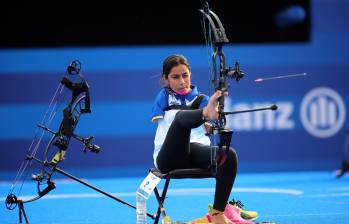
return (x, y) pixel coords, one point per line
(218, 217)
(210, 112)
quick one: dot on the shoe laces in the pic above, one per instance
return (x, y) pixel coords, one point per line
(237, 203)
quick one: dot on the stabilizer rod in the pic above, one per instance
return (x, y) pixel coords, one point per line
(272, 107)
(92, 187)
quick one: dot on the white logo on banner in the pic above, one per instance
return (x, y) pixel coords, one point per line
(261, 120)
(322, 112)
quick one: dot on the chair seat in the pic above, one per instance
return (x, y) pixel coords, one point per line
(184, 173)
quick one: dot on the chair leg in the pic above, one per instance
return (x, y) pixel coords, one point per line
(161, 200)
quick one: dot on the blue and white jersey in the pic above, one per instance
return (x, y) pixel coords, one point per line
(164, 117)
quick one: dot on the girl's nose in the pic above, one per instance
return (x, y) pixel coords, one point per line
(181, 81)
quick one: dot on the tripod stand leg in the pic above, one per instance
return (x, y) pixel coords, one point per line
(22, 212)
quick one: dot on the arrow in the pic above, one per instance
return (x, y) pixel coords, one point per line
(279, 77)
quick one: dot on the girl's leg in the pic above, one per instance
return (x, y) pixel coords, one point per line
(226, 171)
(225, 178)
(175, 152)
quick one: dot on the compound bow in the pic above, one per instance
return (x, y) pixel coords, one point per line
(59, 142)
(220, 134)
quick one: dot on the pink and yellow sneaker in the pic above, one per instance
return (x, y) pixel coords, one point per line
(245, 214)
(232, 213)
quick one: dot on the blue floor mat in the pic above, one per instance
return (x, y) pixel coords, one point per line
(297, 197)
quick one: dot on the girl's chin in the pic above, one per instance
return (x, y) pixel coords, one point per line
(182, 91)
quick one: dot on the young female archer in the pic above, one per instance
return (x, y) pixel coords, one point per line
(180, 140)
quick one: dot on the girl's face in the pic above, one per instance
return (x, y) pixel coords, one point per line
(179, 79)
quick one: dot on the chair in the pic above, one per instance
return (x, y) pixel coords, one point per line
(194, 173)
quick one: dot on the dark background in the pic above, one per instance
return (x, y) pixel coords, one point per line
(57, 24)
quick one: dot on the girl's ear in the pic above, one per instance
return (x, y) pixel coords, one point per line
(164, 81)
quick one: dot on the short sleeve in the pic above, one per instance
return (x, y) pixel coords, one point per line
(159, 106)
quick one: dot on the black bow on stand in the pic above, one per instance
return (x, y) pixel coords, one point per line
(55, 149)
(220, 81)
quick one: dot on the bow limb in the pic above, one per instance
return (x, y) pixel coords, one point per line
(218, 32)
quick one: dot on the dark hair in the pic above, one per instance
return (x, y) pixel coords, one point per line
(173, 61)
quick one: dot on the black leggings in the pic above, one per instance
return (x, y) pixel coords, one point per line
(178, 153)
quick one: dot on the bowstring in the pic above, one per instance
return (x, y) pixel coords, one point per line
(209, 48)
(50, 113)
(208, 44)
(31, 151)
